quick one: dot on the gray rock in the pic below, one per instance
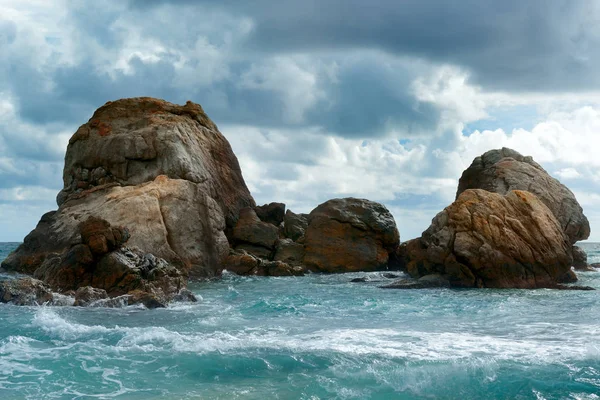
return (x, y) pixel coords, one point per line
(250, 230)
(272, 213)
(25, 292)
(427, 281)
(289, 252)
(501, 171)
(580, 262)
(294, 225)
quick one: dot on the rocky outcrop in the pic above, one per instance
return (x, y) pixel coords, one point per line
(289, 252)
(504, 170)
(101, 263)
(348, 235)
(485, 239)
(162, 170)
(580, 261)
(294, 225)
(272, 213)
(25, 292)
(243, 263)
(253, 235)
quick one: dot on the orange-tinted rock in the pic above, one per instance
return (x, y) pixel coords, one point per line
(501, 171)
(485, 239)
(347, 235)
(250, 230)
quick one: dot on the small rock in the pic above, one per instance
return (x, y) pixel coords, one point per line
(25, 292)
(356, 280)
(84, 296)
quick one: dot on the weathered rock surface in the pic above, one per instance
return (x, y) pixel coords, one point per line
(349, 235)
(504, 170)
(164, 171)
(289, 252)
(272, 213)
(580, 261)
(254, 235)
(25, 292)
(485, 239)
(294, 225)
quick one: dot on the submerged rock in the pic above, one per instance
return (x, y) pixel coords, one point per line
(162, 170)
(425, 282)
(349, 235)
(504, 170)
(485, 239)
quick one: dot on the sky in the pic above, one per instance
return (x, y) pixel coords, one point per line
(382, 99)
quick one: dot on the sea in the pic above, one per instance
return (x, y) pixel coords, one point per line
(313, 337)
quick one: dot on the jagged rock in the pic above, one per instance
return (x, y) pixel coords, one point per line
(289, 252)
(390, 276)
(504, 170)
(349, 235)
(580, 262)
(259, 237)
(86, 295)
(359, 280)
(162, 170)
(485, 239)
(272, 213)
(595, 265)
(25, 292)
(294, 225)
(185, 296)
(425, 282)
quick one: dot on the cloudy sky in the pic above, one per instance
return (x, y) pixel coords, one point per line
(387, 100)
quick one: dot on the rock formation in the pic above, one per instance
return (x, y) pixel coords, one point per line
(504, 170)
(348, 235)
(486, 239)
(580, 261)
(162, 170)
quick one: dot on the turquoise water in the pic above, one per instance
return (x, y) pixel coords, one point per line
(316, 337)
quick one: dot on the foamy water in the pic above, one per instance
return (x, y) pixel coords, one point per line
(314, 337)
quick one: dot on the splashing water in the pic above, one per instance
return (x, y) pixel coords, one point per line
(313, 337)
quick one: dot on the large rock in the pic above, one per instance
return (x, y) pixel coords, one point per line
(273, 213)
(347, 235)
(580, 261)
(504, 170)
(253, 235)
(162, 170)
(486, 239)
(24, 292)
(294, 225)
(289, 252)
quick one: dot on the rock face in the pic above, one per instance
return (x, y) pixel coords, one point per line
(272, 213)
(162, 170)
(25, 292)
(295, 225)
(504, 170)
(485, 239)
(580, 260)
(348, 235)
(254, 235)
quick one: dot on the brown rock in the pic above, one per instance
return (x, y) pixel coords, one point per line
(294, 225)
(289, 252)
(279, 268)
(504, 170)
(485, 239)
(86, 295)
(250, 230)
(272, 213)
(349, 235)
(241, 263)
(162, 170)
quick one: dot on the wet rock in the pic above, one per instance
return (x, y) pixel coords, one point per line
(485, 239)
(349, 235)
(25, 292)
(390, 276)
(272, 213)
(359, 280)
(425, 282)
(279, 268)
(84, 296)
(501, 171)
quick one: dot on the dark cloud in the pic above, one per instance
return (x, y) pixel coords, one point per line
(535, 45)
